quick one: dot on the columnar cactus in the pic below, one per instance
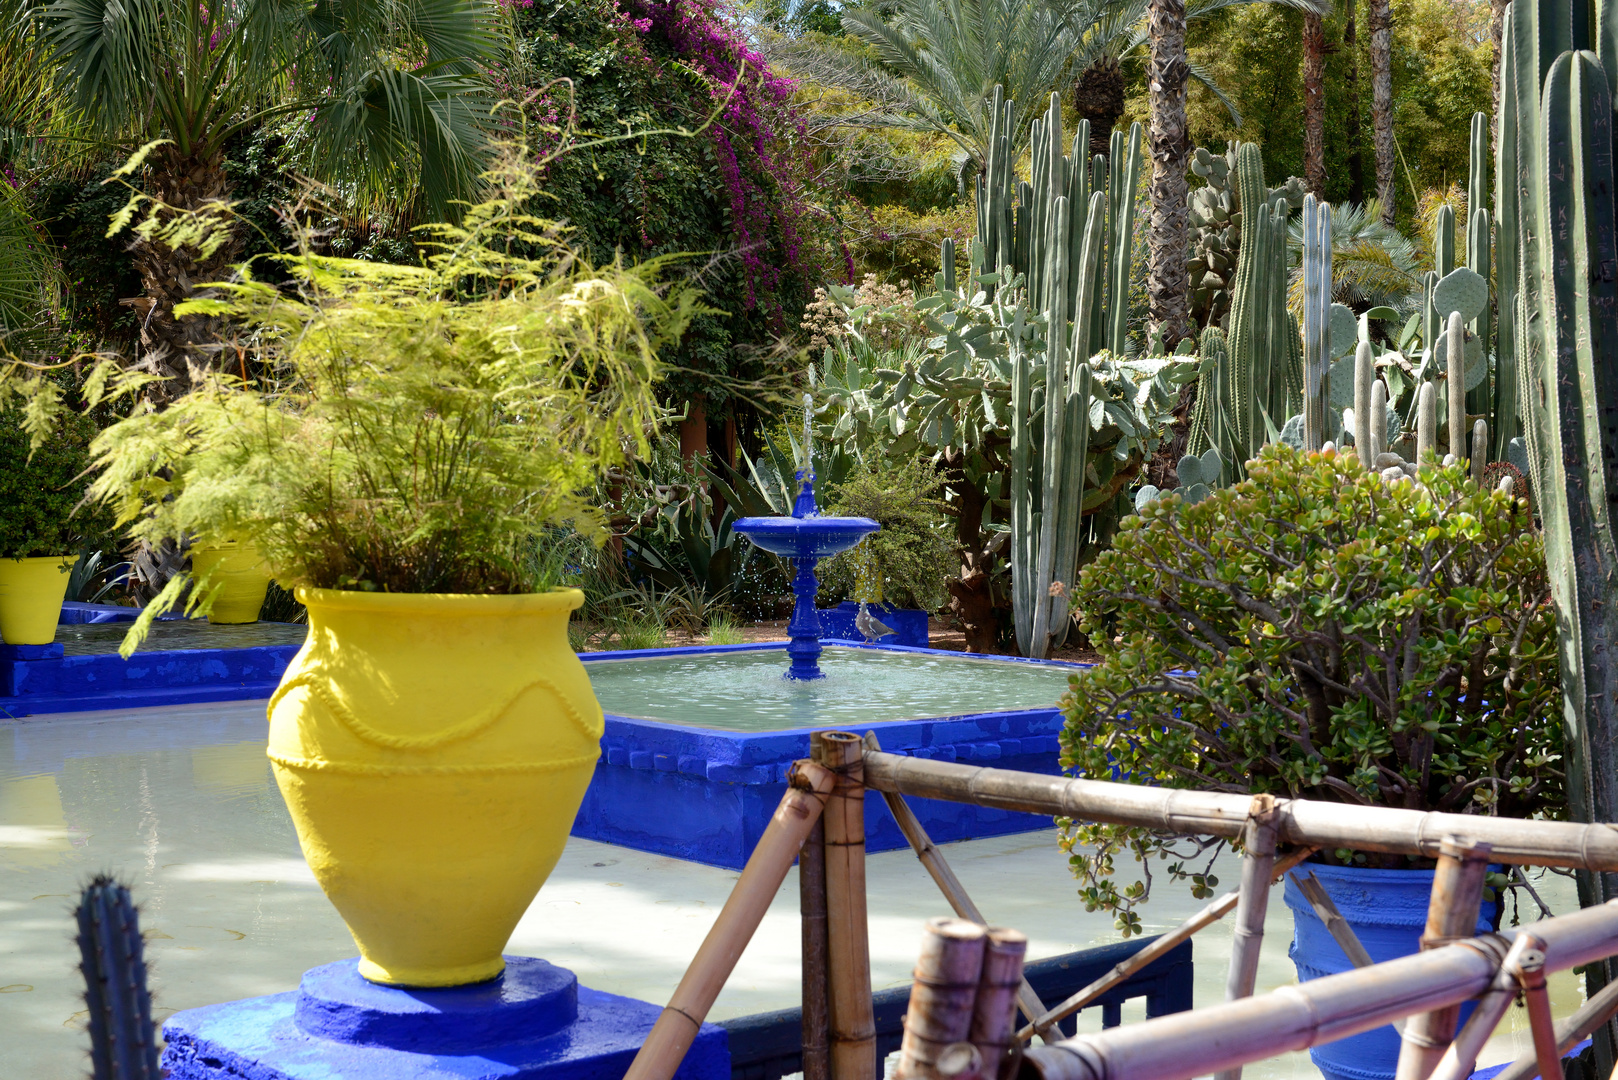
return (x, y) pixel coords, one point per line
(123, 1043)
(1479, 252)
(1317, 344)
(1567, 358)
(1064, 221)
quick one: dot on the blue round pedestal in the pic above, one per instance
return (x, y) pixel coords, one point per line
(1387, 910)
(529, 1000)
(534, 1022)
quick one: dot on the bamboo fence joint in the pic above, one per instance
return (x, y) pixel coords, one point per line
(1591, 1015)
(1253, 899)
(1461, 1058)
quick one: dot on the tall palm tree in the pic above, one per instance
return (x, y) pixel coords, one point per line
(1381, 20)
(1314, 104)
(392, 90)
(1168, 236)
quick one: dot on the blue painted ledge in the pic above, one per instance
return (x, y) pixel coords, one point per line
(51, 684)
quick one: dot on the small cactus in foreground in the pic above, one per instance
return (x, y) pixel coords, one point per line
(123, 1042)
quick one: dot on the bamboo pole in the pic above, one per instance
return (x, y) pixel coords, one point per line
(995, 1013)
(1541, 1025)
(1462, 1056)
(812, 911)
(1191, 1044)
(944, 877)
(1452, 914)
(1301, 822)
(766, 869)
(1253, 900)
(1591, 1015)
(1125, 968)
(853, 1023)
(1337, 926)
(943, 996)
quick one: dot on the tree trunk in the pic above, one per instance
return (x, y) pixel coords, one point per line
(971, 593)
(1167, 283)
(1099, 98)
(1382, 103)
(694, 428)
(1314, 105)
(1351, 97)
(172, 347)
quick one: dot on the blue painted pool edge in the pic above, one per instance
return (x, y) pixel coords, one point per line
(53, 684)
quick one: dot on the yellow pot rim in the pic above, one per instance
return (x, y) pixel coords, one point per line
(50, 558)
(441, 603)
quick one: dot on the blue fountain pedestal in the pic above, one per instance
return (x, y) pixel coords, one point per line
(534, 1021)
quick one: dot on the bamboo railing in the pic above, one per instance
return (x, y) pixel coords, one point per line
(1230, 1035)
(1276, 835)
(1299, 822)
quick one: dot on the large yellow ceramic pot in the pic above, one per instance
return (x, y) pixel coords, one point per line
(242, 578)
(31, 594)
(433, 751)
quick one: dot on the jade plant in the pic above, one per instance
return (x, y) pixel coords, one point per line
(1315, 631)
(416, 428)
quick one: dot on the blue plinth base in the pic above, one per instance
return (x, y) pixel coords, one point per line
(533, 1022)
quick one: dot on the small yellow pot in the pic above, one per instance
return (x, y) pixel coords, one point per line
(31, 594)
(242, 576)
(433, 751)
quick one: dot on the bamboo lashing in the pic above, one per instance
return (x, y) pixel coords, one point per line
(1301, 822)
(1253, 900)
(1122, 970)
(960, 1061)
(995, 1012)
(812, 912)
(848, 952)
(1461, 1058)
(943, 996)
(806, 797)
(1452, 913)
(1589, 1016)
(944, 877)
(1190, 1044)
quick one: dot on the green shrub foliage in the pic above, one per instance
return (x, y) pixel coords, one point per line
(1317, 632)
(40, 495)
(912, 555)
(731, 197)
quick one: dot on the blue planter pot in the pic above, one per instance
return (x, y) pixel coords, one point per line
(1387, 910)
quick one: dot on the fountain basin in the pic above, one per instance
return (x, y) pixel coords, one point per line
(805, 537)
(697, 776)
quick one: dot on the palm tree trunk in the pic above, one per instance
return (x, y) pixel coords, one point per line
(1314, 105)
(1098, 97)
(172, 347)
(1169, 236)
(1497, 21)
(1382, 103)
(1351, 97)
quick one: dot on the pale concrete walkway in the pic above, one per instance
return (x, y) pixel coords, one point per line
(179, 803)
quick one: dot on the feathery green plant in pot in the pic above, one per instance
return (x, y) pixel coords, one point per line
(1316, 632)
(426, 422)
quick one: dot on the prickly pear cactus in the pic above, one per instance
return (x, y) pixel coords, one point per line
(1198, 477)
(123, 1043)
(1216, 232)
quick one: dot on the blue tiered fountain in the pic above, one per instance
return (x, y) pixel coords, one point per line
(805, 538)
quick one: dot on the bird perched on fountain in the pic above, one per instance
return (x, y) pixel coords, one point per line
(870, 626)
